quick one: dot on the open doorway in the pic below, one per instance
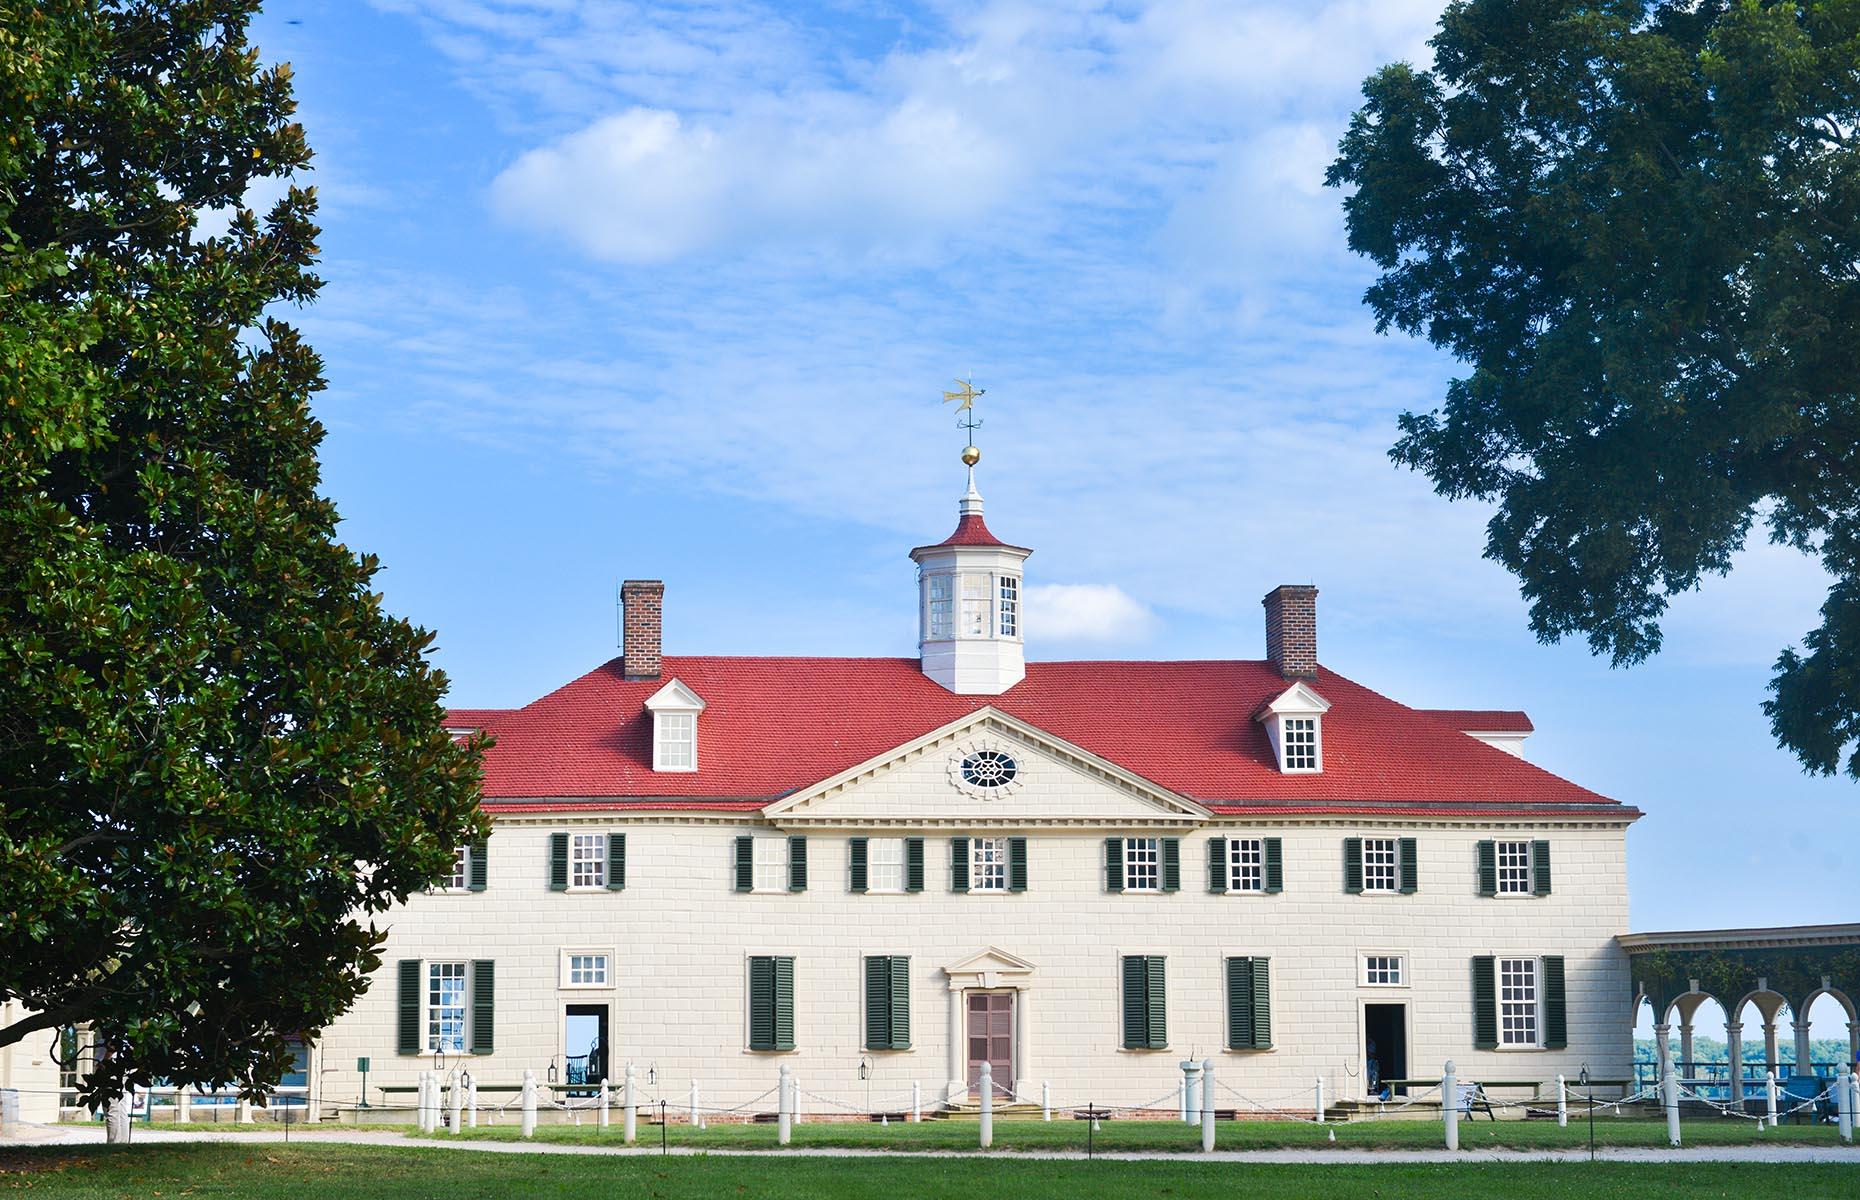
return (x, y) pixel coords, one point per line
(584, 1049)
(1385, 1048)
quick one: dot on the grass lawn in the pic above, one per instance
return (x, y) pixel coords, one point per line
(333, 1172)
(1172, 1135)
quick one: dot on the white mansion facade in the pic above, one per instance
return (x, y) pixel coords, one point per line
(887, 871)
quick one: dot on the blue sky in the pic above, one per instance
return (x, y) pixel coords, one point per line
(665, 290)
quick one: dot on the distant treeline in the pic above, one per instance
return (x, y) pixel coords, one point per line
(1711, 1050)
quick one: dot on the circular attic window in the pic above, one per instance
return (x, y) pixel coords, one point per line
(988, 769)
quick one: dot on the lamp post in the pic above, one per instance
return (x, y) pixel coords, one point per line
(1589, 1097)
(865, 1077)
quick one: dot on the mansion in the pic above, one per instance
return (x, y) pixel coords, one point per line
(886, 872)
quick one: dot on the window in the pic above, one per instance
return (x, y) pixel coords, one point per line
(585, 969)
(1142, 865)
(460, 878)
(1383, 970)
(886, 864)
(445, 1007)
(937, 619)
(771, 864)
(1301, 749)
(1380, 870)
(1010, 606)
(1514, 868)
(771, 1002)
(989, 769)
(1246, 865)
(1145, 1020)
(674, 741)
(587, 860)
(1517, 1002)
(988, 864)
(976, 593)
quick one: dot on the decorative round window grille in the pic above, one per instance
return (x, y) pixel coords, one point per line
(988, 769)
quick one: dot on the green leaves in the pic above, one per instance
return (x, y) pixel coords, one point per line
(1637, 224)
(219, 756)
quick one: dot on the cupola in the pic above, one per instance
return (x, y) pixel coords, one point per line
(969, 603)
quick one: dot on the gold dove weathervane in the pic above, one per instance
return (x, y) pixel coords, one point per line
(966, 404)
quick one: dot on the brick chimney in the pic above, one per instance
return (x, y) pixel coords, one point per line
(642, 614)
(1291, 630)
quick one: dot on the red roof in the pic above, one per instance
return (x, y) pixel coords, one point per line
(473, 718)
(1482, 720)
(971, 530)
(774, 725)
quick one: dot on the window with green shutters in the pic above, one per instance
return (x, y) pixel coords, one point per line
(1241, 866)
(887, 1002)
(885, 865)
(1146, 1025)
(771, 1002)
(416, 1012)
(1381, 865)
(1514, 868)
(1520, 1002)
(769, 864)
(1249, 1003)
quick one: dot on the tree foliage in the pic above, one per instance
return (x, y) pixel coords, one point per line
(219, 757)
(1638, 223)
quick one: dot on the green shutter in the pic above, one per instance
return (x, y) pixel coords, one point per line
(479, 868)
(1158, 1004)
(1488, 868)
(959, 864)
(1540, 868)
(1353, 865)
(1136, 1003)
(745, 864)
(1249, 1004)
(855, 858)
(1017, 864)
(1485, 1002)
(1410, 868)
(784, 1003)
(558, 862)
(1556, 1004)
(616, 862)
(1275, 865)
(877, 1002)
(1217, 865)
(1171, 864)
(761, 1003)
(1114, 864)
(483, 1006)
(913, 864)
(797, 864)
(408, 1028)
(900, 1002)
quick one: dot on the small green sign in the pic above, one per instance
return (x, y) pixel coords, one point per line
(361, 1064)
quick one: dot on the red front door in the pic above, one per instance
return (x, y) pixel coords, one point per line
(991, 1040)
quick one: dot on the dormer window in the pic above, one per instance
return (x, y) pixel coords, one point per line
(1294, 725)
(674, 710)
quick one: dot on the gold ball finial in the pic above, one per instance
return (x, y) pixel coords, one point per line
(971, 456)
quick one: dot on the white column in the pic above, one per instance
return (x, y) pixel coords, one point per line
(783, 1126)
(1686, 1059)
(1023, 1043)
(1772, 1059)
(1804, 1060)
(987, 1089)
(1207, 1105)
(1562, 1102)
(958, 1075)
(630, 1113)
(1450, 1105)
(1734, 1049)
(1669, 1084)
(1662, 1052)
(1769, 1096)
(529, 1103)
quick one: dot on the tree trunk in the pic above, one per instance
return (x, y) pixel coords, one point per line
(116, 1121)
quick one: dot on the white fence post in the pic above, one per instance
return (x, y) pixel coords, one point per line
(1320, 1100)
(1184, 1093)
(471, 1100)
(917, 1102)
(694, 1104)
(1450, 1105)
(794, 1089)
(784, 1123)
(245, 1110)
(1046, 1101)
(1669, 1083)
(529, 1102)
(1844, 1103)
(457, 1096)
(1769, 1095)
(184, 1104)
(1562, 1102)
(988, 1107)
(630, 1110)
(1207, 1105)
(606, 1100)
(419, 1104)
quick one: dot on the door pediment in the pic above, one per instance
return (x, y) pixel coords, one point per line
(992, 967)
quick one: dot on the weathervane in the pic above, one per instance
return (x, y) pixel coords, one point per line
(969, 423)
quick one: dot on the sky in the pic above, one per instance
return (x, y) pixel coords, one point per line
(658, 290)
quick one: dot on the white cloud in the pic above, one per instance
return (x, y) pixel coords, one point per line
(1086, 612)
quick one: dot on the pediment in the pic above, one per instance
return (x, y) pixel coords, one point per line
(1296, 701)
(988, 968)
(921, 784)
(675, 696)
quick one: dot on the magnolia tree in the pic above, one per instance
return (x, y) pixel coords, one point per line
(1638, 225)
(219, 757)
